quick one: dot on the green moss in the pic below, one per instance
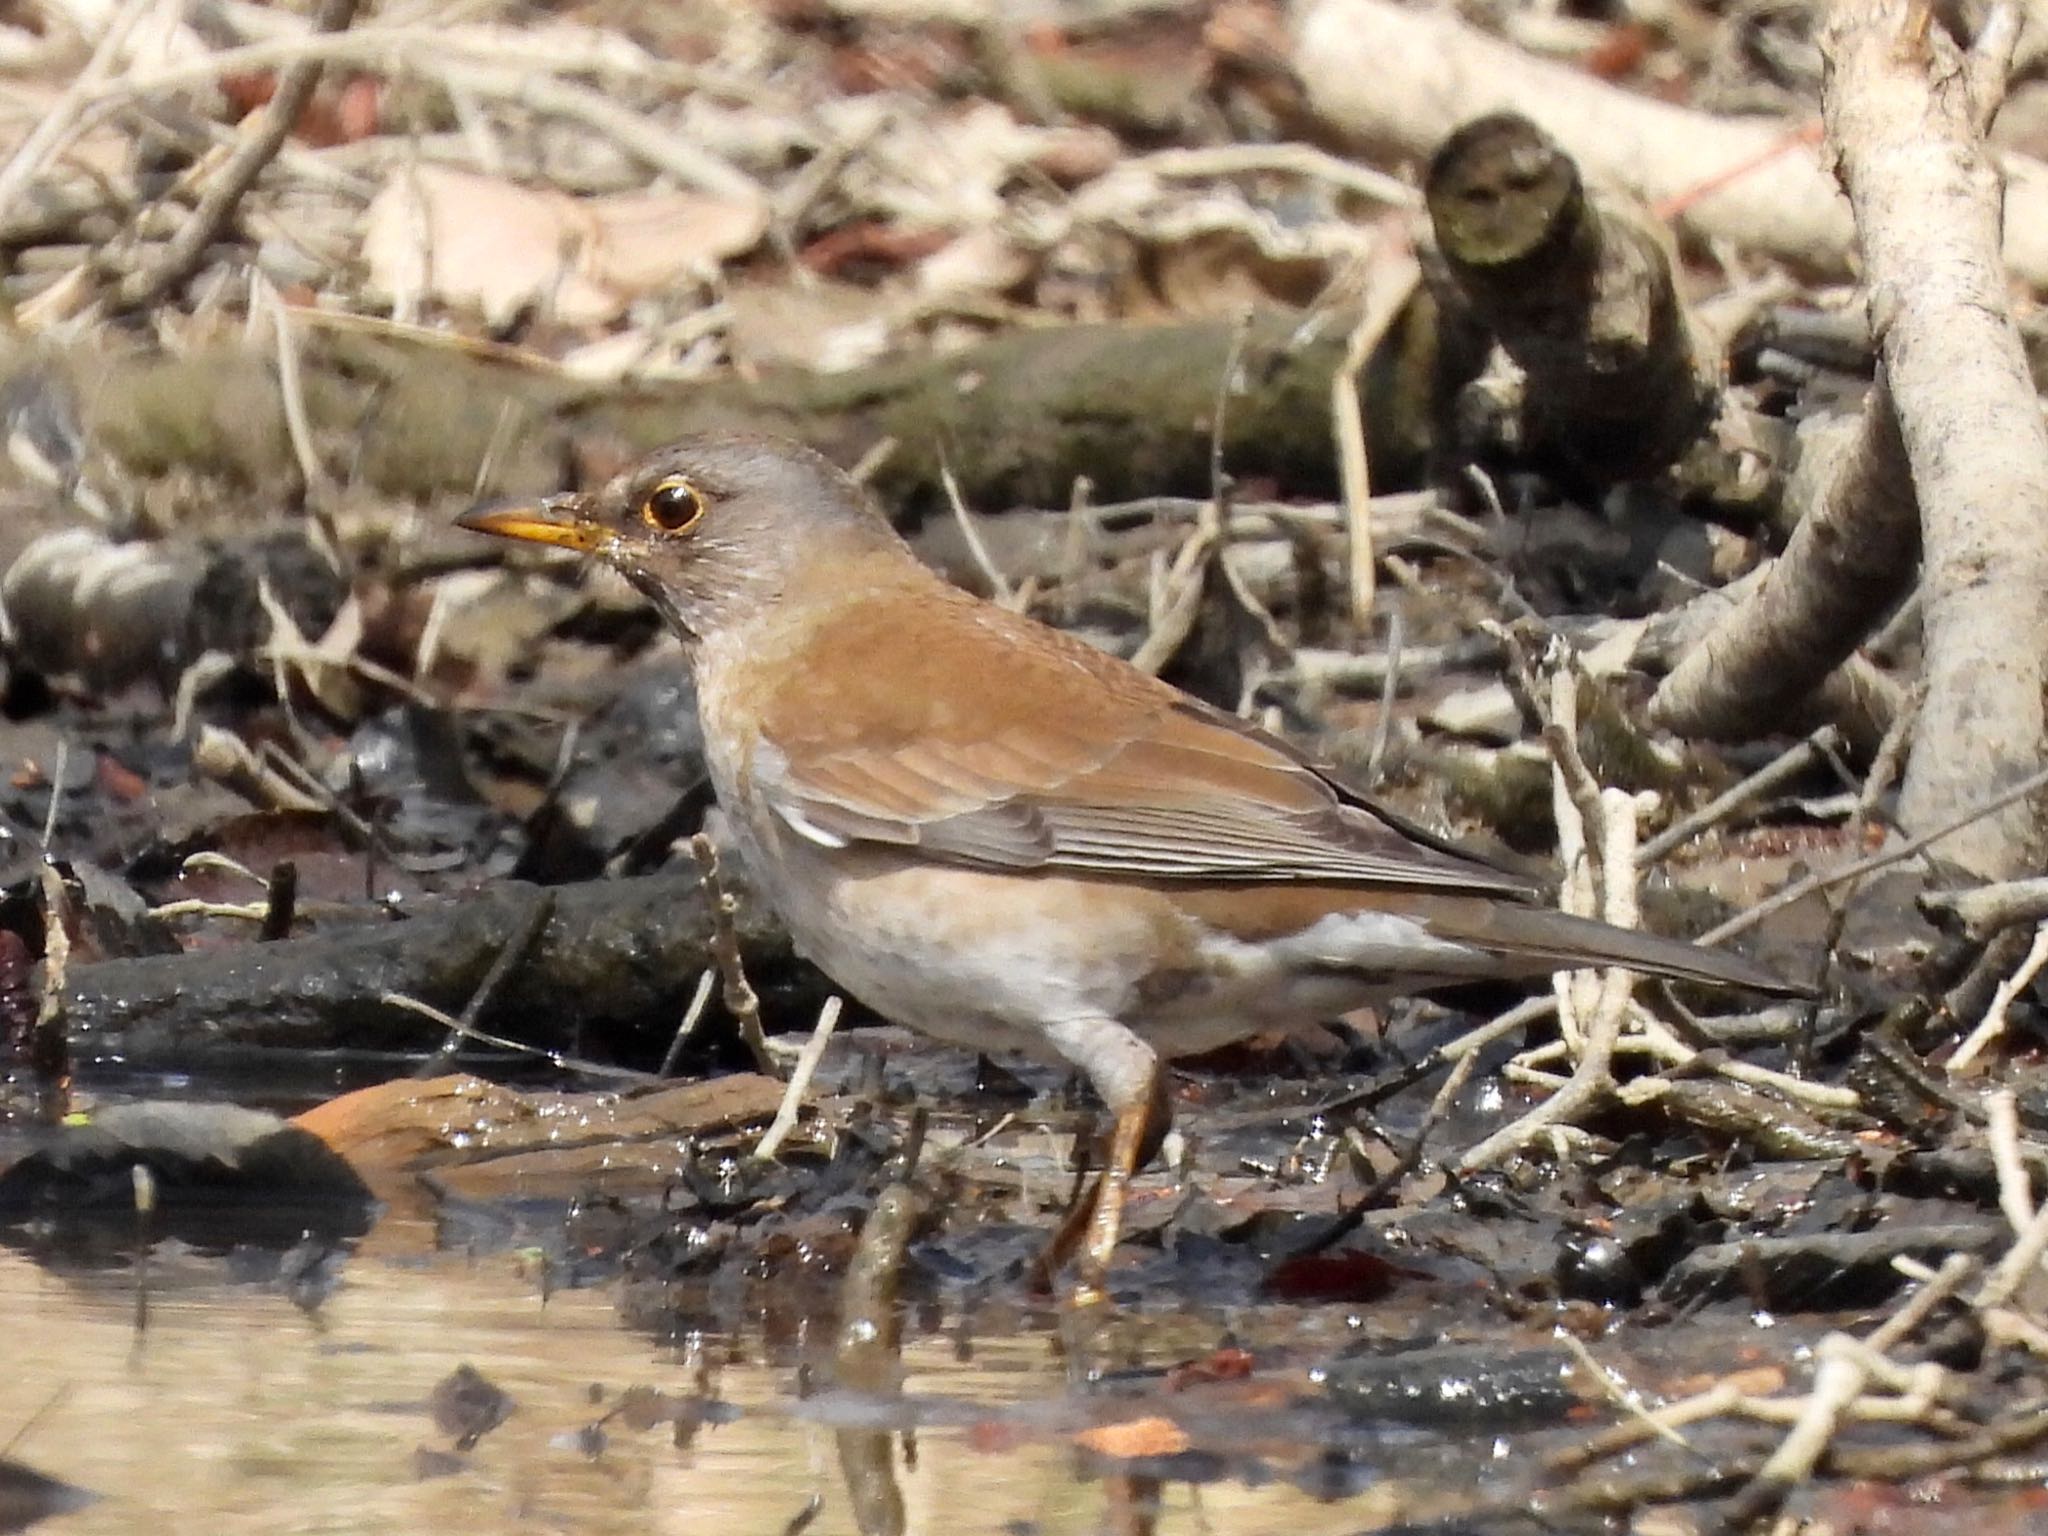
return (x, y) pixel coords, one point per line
(213, 411)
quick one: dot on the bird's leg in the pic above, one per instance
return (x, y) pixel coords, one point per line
(1126, 1073)
(1066, 1238)
(1139, 1129)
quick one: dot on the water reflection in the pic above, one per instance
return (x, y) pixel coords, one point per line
(239, 1411)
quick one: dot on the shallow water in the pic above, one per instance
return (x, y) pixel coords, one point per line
(235, 1411)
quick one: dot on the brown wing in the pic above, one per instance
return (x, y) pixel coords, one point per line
(985, 739)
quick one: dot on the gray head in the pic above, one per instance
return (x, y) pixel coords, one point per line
(710, 528)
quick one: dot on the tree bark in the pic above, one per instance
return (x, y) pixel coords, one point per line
(1578, 291)
(1900, 113)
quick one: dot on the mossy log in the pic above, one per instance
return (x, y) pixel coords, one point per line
(1018, 418)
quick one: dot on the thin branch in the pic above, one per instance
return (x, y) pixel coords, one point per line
(799, 1081)
(224, 192)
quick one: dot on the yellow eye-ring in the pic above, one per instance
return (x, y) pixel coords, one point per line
(673, 506)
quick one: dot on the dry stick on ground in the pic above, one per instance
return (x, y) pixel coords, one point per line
(1393, 279)
(63, 116)
(634, 131)
(508, 959)
(1001, 591)
(1885, 766)
(498, 63)
(1846, 1365)
(1755, 1103)
(1988, 910)
(2002, 1136)
(1909, 1396)
(1178, 596)
(1595, 1015)
(1904, 108)
(1788, 764)
(1592, 1079)
(259, 146)
(741, 1001)
(1913, 847)
(1390, 692)
(1993, 1022)
(791, 1108)
(1850, 560)
(222, 756)
(692, 1017)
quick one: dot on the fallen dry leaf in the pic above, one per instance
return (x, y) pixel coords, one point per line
(460, 239)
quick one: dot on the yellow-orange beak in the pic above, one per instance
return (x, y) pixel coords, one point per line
(552, 520)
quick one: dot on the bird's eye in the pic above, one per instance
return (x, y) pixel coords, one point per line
(673, 506)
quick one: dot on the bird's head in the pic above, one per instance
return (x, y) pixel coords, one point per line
(712, 529)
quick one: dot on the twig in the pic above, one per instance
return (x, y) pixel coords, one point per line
(1351, 1217)
(1288, 159)
(1989, 909)
(1179, 594)
(508, 959)
(2020, 1261)
(636, 133)
(799, 1079)
(1724, 1397)
(1789, 764)
(280, 902)
(1657, 1038)
(999, 585)
(1838, 1380)
(741, 1001)
(1390, 691)
(61, 118)
(1919, 1306)
(1847, 1365)
(187, 248)
(57, 772)
(1626, 1398)
(298, 427)
(1394, 279)
(248, 912)
(1742, 922)
(560, 1060)
(1993, 1023)
(1592, 1078)
(692, 1017)
(1521, 1016)
(2002, 1135)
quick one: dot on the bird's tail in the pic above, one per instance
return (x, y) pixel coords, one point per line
(1552, 940)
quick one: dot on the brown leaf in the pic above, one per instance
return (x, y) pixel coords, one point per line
(476, 241)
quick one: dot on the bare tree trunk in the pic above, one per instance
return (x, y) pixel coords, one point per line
(1904, 122)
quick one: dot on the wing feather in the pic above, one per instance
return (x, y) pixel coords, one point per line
(1005, 745)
